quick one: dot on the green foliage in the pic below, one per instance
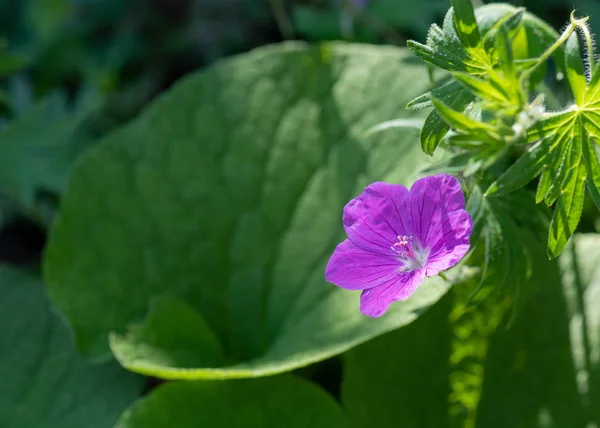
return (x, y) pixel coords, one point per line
(560, 155)
(235, 211)
(373, 372)
(459, 365)
(501, 118)
(281, 401)
(45, 383)
(475, 66)
(191, 242)
(529, 368)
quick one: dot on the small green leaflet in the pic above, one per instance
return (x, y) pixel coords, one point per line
(471, 45)
(564, 154)
(443, 49)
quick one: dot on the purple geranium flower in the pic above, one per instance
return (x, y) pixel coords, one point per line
(397, 237)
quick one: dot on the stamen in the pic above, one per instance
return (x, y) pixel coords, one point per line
(409, 251)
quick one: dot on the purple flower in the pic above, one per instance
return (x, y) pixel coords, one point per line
(397, 237)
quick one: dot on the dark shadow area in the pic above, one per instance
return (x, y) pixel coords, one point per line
(21, 242)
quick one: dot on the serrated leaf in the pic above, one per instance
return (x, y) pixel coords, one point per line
(557, 167)
(447, 93)
(567, 212)
(236, 211)
(592, 121)
(466, 141)
(509, 21)
(590, 158)
(562, 174)
(549, 175)
(461, 121)
(566, 173)
(281, 401)
(446, 61)
(476, 207)
(505, 52)
(444, 49)
(465, 23)
(525, 169)
(482, 88)
(46, 384)
(549, 124)
(435, 128)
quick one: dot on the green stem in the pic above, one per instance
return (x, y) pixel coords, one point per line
(562, 39)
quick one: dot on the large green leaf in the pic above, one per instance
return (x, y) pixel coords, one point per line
(401, 379)
(580, 266)
(428, 374)
(543, 370)
(45, 384)
(227, 194)
(281, 401)
(529, 373)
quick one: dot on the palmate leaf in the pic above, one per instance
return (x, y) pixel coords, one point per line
(565, 156)
(486, 46)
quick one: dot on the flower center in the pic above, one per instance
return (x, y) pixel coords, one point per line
(409, 251)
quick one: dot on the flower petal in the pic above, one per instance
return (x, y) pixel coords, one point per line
(431, 199)
(374, 302)
(352, 268)
(449, 241)
(374, 218)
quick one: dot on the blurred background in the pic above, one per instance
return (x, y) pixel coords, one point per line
(73, 70)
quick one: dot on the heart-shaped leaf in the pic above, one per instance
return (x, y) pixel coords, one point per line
(227, 194)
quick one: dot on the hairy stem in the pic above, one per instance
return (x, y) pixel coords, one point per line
(562, 39)
(589, 45)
